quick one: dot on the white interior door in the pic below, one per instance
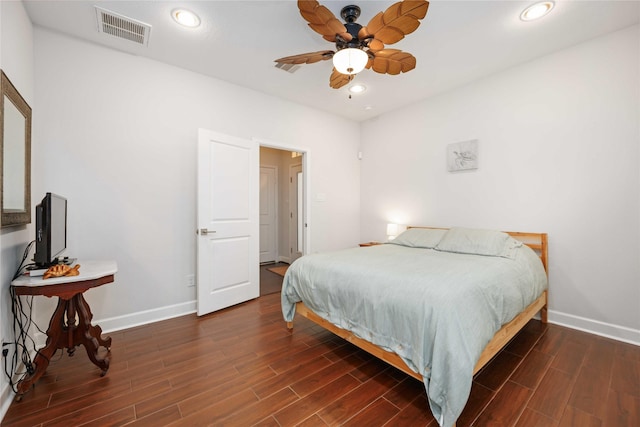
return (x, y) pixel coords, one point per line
(227, 242)
(268, 216)
(296, 217)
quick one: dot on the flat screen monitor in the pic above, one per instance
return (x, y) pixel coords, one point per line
(51, 229)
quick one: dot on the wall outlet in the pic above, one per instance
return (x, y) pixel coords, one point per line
(191, 280)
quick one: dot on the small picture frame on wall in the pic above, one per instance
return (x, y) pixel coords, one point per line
(462, 156)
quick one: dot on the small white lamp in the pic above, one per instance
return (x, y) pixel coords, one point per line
(392, 231)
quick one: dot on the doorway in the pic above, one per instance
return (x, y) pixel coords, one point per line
(282, 212)
(268, 213)
(296, 216)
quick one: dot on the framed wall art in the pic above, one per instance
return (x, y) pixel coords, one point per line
(462, 156)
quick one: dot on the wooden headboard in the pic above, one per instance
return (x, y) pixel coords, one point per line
(536, 241)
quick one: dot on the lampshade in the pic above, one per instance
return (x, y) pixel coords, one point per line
(350, 60)
(392, 231)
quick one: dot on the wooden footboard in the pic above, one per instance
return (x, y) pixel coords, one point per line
(500, 339)
(509, 330)
(391, 358)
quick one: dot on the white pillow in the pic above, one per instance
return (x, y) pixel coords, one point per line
(419, 238)
(478, 242)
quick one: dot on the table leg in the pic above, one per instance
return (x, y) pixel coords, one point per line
(55, 340)
(70, 327)
(90, 336)
(63, 333)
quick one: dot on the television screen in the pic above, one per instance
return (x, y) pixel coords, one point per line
(51, 229)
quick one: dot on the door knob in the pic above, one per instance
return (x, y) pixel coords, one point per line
(204, 231)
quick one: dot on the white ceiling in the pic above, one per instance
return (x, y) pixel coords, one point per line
(457, 42)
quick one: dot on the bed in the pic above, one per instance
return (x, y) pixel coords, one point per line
(436, 303)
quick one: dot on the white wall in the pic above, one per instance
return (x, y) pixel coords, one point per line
(16, 60)
(559, 153)
(117, 136)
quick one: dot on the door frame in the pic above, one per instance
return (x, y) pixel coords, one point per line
(306, 184)
(293, 241)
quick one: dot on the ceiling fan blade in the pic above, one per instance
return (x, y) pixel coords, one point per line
(337, 80)
(322, 21)
(375, 45)
(398, 20)
(392, 61)
(307, 58)
(307, 5)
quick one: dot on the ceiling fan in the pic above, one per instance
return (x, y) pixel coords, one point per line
(359, 47)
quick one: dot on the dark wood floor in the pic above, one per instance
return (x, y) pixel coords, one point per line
(270, 282)
(241, 367)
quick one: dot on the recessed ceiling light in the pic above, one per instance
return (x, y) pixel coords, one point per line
(357, 88)
(186, 18)
(537, 10)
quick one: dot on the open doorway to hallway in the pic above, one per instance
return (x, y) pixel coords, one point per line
(281, 214)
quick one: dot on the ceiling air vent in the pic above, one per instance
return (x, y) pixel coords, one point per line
(290, 68)
(123, 27)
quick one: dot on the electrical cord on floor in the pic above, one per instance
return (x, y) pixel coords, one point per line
(23, 343)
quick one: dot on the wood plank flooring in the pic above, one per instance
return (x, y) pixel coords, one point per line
(241, 367)
(270, 282)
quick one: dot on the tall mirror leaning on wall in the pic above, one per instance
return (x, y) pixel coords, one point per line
(15, 155)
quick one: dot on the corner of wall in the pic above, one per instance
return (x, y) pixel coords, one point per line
(17, 60)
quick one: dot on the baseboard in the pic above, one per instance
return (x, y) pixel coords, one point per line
(616, 332)
(111, 324)
(284, 259)
(6, 398)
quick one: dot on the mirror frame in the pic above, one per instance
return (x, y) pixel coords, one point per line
(23, 217)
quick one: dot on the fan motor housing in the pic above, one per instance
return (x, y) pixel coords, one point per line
(350, 14)
(353, 29)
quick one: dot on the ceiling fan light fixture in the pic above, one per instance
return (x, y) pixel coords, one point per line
(350, 60)
(537, 11)
(186, 18)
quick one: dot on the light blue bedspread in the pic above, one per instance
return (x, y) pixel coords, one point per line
(436, 310)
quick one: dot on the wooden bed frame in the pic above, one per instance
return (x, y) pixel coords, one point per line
(536, 241)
